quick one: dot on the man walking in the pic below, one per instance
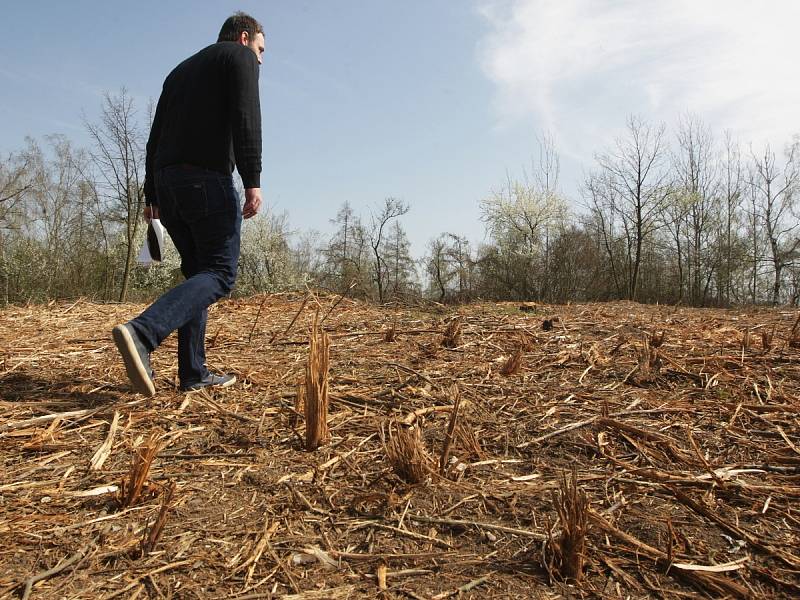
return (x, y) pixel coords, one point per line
(208, 118)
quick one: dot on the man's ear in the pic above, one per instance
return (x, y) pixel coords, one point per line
(244, 38)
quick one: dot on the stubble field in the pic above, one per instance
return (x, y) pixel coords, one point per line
(597, 450)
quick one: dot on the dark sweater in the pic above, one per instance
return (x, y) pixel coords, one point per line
(209, 116)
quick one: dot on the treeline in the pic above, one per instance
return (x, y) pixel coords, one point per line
(674, 217)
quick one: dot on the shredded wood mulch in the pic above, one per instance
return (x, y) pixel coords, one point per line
(598, 450)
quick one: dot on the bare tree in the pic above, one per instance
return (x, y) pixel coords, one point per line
(448, 264)
(694, 211)
(392, 208)
(578, 270)
(437, 266)
(118, 155)
(603, 220)
(59, 208)
(636, 188)
(774, 192)
(459, 254)
(52, 231)
(15, 182)
(402, 273)
(345, 252)
(676, 223)
(732, 194)
(546, 168)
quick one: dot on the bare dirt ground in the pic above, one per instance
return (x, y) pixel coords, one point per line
(680, 425)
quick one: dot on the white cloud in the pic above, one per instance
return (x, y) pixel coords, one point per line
(579, 67)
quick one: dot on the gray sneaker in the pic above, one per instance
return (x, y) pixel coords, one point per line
(136, 359)
(210, 380)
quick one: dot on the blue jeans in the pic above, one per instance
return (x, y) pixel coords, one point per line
(201, 212)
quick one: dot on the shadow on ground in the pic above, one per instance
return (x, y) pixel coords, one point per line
(69, 393)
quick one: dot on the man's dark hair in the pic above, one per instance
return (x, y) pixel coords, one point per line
(234, 25)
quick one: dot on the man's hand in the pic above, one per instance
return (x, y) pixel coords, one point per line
(252, 202)
(150, 213)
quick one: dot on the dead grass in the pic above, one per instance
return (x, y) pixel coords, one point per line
(685, 444)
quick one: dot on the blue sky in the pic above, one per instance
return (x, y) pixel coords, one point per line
(430, 101)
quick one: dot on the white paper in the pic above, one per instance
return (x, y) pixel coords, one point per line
(144, 258)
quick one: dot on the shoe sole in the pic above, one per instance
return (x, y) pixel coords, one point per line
(227, 384)
(136, 370)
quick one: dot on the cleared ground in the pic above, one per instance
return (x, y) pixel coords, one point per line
(680, 425)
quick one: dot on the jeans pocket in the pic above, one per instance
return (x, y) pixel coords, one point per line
(191, 200)
(206, 198)
(219, 199)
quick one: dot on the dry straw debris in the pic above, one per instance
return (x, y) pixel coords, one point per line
(451, 338)
(132, 486)
(569, 548)
(391, 332)
(513, 363)
(685, 445)
(407, 453)
(794, 334)
(315, 396)
(151, 535)
(455, 395)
